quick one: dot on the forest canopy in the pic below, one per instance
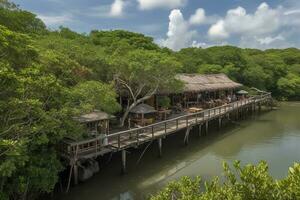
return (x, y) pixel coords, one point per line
(49, 76)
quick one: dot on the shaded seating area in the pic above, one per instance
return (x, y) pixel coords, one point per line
(242, 94)
(142, 115)
(204, 91)
(96, 122)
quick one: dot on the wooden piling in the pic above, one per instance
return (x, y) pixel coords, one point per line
(186, 137)
(75, 172)
(123, 161)
(206, 127)
(200, 129)
(159, 147)
(220, 122)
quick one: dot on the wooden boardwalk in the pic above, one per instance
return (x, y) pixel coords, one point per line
(74, 151)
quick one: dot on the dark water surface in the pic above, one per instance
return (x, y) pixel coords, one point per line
(272, 136)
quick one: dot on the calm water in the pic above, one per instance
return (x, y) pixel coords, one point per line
(272, 136)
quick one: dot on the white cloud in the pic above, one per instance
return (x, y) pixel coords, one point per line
(265, 20)
(217, 31)
(277, 41)
(264, 28)
(151, 4)
(292, 12)
(55, 20)
(116, 9)
(179, 35)
(269, 39)
(199, 17)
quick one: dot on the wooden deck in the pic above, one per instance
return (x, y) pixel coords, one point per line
(134, 137)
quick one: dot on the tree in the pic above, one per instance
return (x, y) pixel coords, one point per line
(40, 94)
(247, 183)
(95, 95)
(19, 20)
(142, 74)
(290, 85)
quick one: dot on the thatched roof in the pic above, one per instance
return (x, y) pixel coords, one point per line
(94, 116)
(143, 109)
(206, 82)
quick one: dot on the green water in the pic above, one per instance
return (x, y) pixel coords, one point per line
(272, 136)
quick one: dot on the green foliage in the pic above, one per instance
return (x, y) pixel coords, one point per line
(272, 70)
(41, 91)
(164, 102)
(244, 183)
(210, 69)
(95, 95)
(112, 39)
(289, 85)
(48, 77)
(20, 20)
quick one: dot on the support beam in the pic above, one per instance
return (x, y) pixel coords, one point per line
(123, 161)
(159, 140)
(186, 137)
(75, 173)
(220, 122)
(206, 127)
(200, 129)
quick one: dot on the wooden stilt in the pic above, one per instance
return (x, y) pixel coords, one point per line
(220, 122)
(75, 173)
(69, 180)
(200, 129)
(186, 137)
(206, 127)
(123, 161)
(159, 147)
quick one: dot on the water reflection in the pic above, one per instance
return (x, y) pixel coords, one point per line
(273, 136)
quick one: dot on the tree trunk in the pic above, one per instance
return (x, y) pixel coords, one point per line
(125, 115)
(135, 103)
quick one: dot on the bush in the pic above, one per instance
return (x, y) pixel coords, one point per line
(164, 102)
(248, 182)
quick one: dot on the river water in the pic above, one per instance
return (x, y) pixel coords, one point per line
(273, 136)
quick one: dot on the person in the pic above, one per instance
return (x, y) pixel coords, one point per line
(234, 97)
(199, 97)
(229, 99)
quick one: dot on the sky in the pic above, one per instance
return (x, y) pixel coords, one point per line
(181, 23)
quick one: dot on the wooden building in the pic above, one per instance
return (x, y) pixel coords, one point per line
(97, 122)
(203, 90)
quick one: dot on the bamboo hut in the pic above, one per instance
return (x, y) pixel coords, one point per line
(97, 122)
(141, 114)
(202, 89)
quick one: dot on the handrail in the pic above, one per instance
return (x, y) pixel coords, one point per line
(136, 131)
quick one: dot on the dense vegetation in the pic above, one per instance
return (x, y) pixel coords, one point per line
(240, 183)
(47, 77)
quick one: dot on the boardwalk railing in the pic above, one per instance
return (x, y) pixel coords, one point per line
(136, 136)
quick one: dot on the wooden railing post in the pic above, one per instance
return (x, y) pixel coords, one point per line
(165, 127)
(187, 121)
(152, 131)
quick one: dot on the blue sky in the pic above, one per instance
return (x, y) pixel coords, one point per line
(181, 23)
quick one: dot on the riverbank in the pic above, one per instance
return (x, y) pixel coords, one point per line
(272, 136)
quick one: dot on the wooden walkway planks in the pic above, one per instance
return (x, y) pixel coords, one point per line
(134, 137)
